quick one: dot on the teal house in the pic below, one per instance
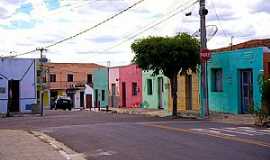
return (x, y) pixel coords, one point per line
(100, 87)
(155, 91)
(233, 79)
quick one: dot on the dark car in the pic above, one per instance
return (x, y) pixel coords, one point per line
(62, 103)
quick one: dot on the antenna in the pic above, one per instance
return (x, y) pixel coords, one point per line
(211, 31)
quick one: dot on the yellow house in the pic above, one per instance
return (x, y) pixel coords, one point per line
(187, 93)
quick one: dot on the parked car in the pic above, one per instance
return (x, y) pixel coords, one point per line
(62, 103)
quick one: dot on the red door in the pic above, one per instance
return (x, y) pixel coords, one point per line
(89, 101)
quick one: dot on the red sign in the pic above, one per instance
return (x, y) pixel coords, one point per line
(205, 55)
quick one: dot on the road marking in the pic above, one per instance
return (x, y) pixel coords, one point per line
(237, 139)
(207, 131)
(232, 130)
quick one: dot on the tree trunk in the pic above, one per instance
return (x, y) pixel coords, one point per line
(174, 94)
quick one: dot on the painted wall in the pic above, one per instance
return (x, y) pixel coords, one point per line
(23, 70)
(114, 79)
(100, 81)
(182, 96)
(129, 74)
(152, 101)
(231, 62)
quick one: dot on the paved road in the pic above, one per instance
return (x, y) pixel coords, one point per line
(106, 136)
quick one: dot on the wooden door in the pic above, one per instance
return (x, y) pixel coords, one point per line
(188, 92)
(124, 96)
(88, 101)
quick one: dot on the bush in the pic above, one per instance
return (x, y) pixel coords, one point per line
(262, 113)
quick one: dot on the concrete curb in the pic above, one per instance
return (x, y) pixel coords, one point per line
(65, 151)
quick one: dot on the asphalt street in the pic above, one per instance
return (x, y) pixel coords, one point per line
(107, 136)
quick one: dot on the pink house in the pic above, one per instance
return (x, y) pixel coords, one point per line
(125, 85)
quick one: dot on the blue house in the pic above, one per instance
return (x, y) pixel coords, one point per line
(233, 79)
(17, 84)
(101, 88)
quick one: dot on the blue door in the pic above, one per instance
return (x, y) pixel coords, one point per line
(246, 90)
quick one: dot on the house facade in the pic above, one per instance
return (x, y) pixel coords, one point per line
(155, 91)
(114, 92)
(187, 93)
(233, 79)
(17, 84)
(125, 85)
(70, 80)
(101, 88)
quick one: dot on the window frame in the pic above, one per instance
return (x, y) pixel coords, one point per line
(134, 86)
(68, 76)
(91, 81)
(52, 78)
(217, 80)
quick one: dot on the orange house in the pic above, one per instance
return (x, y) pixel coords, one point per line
(69, 79)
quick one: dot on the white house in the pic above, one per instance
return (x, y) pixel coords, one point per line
(17, 84)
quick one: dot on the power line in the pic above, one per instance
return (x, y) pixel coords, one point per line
(134, 35)
(219, 20)
(147, 27)
(86, 30)
(95, 26)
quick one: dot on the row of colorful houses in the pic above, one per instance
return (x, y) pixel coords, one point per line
(233, 74)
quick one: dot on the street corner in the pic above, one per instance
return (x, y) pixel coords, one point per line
(32, 145)
(64, 150)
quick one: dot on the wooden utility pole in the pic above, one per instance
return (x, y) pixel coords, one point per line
(204, 82)
(41, 78)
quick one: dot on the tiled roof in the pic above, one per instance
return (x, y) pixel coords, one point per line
(248, 44)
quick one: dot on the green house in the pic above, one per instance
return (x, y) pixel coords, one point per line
(233, 79)
(155, 91)
(100, 86)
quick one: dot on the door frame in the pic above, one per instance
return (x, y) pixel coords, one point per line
(11, 107)
(113, 85)
(244, 109)
(188, 92)
(124, 94)
(160, 92)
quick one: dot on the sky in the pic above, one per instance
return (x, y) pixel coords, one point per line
(29, 24)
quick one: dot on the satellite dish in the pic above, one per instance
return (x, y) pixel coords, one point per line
(211, 31)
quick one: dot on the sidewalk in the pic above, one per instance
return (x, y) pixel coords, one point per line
(21, 145)
(241, 119)
(141, 111)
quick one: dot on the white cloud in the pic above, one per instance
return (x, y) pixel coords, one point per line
(74, 16)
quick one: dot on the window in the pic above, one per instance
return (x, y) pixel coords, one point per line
(149, 87)
(52, 78)
(217, 80)
(134, 89)
(89, 79)
(70, 77)
(103, 95)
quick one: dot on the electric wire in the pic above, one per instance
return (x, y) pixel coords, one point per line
(86, 30)
(134, 35)
(219, 20)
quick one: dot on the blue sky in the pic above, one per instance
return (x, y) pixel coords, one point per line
(28, 24)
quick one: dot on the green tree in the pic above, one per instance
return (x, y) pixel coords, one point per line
(168, 55)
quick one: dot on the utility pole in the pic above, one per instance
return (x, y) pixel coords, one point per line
(204, 83)
(41, 78)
